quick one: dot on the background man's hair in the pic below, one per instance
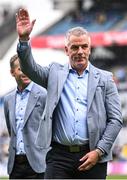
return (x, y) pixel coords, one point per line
(12, 61)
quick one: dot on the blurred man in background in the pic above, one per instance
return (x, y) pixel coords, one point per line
(83, 112)
(23, 109)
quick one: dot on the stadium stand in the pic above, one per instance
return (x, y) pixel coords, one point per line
(7, 27)
(94, 21)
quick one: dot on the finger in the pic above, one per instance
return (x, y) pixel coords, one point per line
(83, 158)
(84, 165)
(18, 16)
(33, 22)
(17, 19)
(23, 12)
(85, 168)
(22, 15)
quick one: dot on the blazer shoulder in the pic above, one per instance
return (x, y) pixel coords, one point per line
(103, 72)
(38, 88)
(56, 65)
(9, 94)
(104, 75)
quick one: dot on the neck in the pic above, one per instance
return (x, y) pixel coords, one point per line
(22, 87)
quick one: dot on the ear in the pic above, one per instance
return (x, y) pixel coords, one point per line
(90, 51)
(12, 72)
(66, 50)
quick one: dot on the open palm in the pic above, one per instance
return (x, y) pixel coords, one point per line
(23, 24)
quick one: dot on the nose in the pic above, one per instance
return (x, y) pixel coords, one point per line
(80, 50)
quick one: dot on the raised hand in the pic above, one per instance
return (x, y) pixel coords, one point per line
(23, 24)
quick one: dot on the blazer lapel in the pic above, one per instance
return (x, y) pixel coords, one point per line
(92, 84)
(12, 103)
(62, 76)
(33, 97)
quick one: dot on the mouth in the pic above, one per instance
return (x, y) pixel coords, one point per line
(79, 59)
(24, 77)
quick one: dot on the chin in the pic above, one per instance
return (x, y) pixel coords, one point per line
(26, 82)
(80, 65)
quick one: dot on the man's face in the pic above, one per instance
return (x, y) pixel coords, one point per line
(21, 79)
(78, 50)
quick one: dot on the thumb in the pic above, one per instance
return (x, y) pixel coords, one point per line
(33, 22)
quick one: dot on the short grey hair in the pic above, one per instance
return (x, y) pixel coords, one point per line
(76, 31)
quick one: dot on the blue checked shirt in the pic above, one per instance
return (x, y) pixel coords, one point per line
(21, 103)
(70, 116)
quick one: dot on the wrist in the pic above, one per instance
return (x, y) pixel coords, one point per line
(99, 152)
(23, 39)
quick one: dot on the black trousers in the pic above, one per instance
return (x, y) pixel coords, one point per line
(62, 164)
(23, 170)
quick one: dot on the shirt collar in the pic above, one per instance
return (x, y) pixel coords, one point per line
(85, 71)
(28, 88)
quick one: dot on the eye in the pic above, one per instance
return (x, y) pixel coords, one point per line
(74, 47)
(84, 46)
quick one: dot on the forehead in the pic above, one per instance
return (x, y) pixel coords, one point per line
(16, 63)
(82, 39)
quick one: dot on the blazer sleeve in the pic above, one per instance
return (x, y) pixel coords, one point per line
(34, 71)
(6, 114)
(114, 115)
